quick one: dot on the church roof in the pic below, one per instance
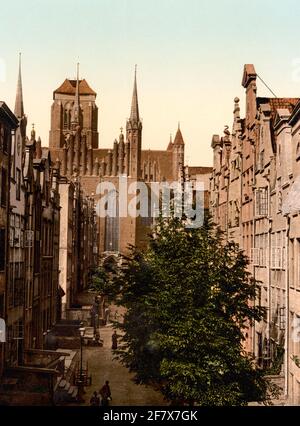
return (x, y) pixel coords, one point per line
(199, 170)
(178, 138)
(68, 87)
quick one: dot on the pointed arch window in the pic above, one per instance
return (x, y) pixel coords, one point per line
(112, 232)
(67, 117)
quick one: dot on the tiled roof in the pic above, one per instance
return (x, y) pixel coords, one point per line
(278, 103)
(199, 170)
(69, 87)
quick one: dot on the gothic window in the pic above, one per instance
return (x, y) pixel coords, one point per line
(112, 223)
(18, 184)
(279, 155)
(236, 213)
(233, 168)
(261, 159)
(67, 117)
(279, 202)
(262, 134)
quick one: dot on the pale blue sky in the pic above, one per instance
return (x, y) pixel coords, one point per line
(190, 57)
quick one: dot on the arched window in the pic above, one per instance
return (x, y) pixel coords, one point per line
(112, 233)
(279, 154)
(67, 117)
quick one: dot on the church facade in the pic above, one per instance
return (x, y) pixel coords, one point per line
(74, 141)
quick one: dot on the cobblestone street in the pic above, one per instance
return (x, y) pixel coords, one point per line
(102, 367)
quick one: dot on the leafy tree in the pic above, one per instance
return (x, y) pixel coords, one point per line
(103, 280)
(189, 299)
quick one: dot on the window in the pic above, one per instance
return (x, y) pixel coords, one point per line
(28, 238)
(3, 187)
(282, 318)
(276, 257)
(279, 155)
(112, 223)
(263, 250)
(261, 159)
(254, 256)
(2, 249)
(279, 202)
(5, 140)
(18, 184)
(261, 202)
(67, 118)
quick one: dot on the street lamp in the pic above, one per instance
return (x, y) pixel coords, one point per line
(80, 382)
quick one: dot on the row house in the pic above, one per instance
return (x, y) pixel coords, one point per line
(33, 242)
(8, 125)
(254, 200)
(47, 254)
(77, 243)
(17, 234)
(32, 288)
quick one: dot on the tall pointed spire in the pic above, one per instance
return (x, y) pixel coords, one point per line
(19, 106)
(134, 115)
(170, 146)
(178, 137)
(76, 106)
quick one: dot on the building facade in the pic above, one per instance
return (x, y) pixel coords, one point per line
(78, 253)
(254, 200)
(8, 126)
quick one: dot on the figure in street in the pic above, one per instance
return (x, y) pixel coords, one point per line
(95, 400)
(114, 340)
(105, 394)
(107, 315)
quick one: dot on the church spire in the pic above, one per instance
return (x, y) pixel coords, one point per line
(19, 106)
(76, 106)
(134, 114)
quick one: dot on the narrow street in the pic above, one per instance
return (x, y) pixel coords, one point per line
(102, 367)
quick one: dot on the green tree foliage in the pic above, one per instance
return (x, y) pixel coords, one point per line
(104, 279)
(189, 300)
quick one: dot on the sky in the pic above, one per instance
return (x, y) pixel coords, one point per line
(189, 54)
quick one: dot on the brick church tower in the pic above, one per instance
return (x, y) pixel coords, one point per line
(74, 103)
(74, 145)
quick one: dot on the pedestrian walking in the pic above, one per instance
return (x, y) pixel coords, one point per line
(105, 394)
(107, 315)
(114, 340)
(95, 400)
